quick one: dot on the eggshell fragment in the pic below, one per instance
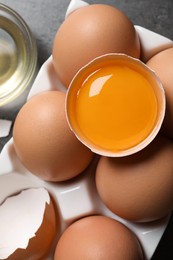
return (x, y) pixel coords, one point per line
(138, 187)
(5, 126)
(98, 238)
(27, 224)
(44, 142)
(162, 64)
(89, 32)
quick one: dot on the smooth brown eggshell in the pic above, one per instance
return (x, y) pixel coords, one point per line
(98, 238)
(162, 64)
(89, 32)
(138, 187)
(44, 142)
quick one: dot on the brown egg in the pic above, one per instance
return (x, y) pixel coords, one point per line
(89, 32)
(162, 64)
(29, 226)
(98, 238)
(44, 142)
(138, 187)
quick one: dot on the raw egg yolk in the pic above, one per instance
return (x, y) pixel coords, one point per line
(116, 107)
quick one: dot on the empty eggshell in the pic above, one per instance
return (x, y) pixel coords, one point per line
(138, 187)
(162, 64)
(44, 142)
(89, 32)
(28, 225)
(98, 238)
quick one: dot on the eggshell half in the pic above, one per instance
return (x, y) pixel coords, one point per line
(28, 225)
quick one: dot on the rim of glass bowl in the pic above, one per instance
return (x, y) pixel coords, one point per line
(13, 24)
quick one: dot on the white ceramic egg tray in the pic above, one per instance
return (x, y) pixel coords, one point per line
(78, 197)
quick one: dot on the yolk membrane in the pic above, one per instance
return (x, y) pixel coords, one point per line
(116, 107)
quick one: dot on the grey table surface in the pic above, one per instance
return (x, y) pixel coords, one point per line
(44, 18)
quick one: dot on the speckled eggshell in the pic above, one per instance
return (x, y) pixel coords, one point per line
(44, 142)
(138, 187)
(89, 32)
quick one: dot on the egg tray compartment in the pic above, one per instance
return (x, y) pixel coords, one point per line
(78, 197)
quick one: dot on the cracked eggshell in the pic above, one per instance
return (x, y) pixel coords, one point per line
(44, 142)
(28, 225)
